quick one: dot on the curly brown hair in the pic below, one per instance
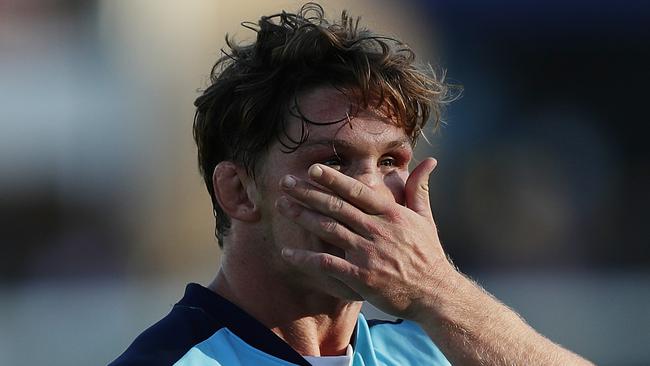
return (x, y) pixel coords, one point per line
(253, 86)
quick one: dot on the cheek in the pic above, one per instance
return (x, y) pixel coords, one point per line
(395, 182)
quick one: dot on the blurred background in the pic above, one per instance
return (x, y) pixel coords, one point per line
(541, 193)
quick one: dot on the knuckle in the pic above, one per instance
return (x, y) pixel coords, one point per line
(393, 213)
(329, 226)
(307, 193)
(325, 262)
(376, 231)
(363, 276)
(357, 190)
(334, 203)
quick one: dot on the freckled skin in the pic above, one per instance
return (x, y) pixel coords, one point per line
(372, 151)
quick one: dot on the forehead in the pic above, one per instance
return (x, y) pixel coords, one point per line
(328, 104)
(323, 105)
(328, 112)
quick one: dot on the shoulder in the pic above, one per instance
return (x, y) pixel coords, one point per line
(205, 328)
(169, 339)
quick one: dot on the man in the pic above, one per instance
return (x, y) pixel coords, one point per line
(305, 139)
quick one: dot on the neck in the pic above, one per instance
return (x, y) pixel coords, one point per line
(312, 323)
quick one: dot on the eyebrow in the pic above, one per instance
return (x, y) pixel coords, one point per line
(344, 144)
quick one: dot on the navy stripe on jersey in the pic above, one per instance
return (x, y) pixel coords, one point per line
(373, 322)
(196, 317)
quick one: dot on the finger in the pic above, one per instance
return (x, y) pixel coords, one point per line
(350, 189)
(315, 262)
(417, 188)
(324, 227)
(327, 203)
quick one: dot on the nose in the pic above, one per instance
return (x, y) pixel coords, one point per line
(365, 174)
(385, 184)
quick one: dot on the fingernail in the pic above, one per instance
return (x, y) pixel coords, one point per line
(287, 208)
(287, 252)
(288, 182)
(315, 171)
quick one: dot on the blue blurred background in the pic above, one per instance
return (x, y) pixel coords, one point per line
(541, 192)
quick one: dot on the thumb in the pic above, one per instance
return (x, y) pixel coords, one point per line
(417, 188)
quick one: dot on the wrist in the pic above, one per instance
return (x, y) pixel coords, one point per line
(441, 296)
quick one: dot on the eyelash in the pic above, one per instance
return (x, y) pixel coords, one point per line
(333, 161)
(392, 161)
(337, 161)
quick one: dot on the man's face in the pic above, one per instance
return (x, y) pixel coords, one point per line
(365, 146)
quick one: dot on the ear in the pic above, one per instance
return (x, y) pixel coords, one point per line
(230, 183)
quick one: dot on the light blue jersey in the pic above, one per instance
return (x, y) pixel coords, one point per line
(206, 329)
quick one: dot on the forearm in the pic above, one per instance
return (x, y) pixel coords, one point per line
(394, 260)
(471, 327)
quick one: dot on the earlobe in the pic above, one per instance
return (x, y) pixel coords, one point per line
(230, 188)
